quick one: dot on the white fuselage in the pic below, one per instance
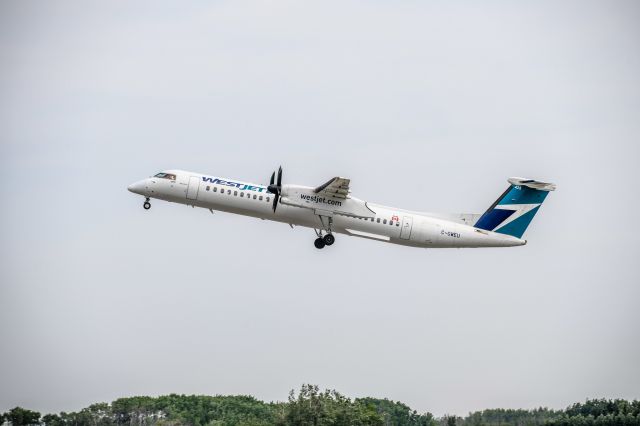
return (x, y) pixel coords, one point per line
(382, 223)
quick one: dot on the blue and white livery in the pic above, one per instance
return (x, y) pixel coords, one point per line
(331, 209)
(512, 213)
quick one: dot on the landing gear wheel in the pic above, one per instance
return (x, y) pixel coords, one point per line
(329, 239)
(319, 243)
(147, 205)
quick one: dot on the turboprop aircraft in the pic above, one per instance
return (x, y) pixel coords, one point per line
(330, 208)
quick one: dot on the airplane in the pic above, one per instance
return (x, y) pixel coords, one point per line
(331, 209)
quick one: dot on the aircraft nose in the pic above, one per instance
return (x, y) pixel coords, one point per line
(137, 187)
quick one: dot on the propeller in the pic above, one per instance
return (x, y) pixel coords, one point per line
(275, 188)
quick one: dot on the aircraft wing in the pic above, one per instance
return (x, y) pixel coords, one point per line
(338, 187)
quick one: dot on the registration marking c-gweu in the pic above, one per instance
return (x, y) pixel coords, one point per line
(450, 234)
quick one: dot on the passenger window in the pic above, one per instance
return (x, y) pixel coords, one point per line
(260, 198)
(208, 188)
(229, 191)
(391, 222)
(378, 220)
(215, 189)
(267, 199)
(235, 193)
(241, 194)
(384, 221)
(397, 223)
(255, 196)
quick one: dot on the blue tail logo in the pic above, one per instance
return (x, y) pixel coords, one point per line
(512, 213)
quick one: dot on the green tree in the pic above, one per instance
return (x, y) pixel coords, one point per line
(22, 417)
(311, 407)
(398, 414)
(52, 420)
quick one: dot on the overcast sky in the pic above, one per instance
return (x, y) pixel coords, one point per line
(424, 105)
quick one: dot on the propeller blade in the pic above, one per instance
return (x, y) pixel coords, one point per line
(275, 202)
(280, 177)
(273, 178)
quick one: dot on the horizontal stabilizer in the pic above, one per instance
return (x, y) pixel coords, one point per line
(533, 184)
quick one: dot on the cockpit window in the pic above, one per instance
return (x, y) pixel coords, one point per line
(166, 176)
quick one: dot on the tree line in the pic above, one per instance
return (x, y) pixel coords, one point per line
(311, 406)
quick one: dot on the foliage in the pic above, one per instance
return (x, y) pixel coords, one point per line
(500, 416)
(604, 407)
(397, 413)
(313, 407)
(21, 417)
(595, 412)
(600, 412)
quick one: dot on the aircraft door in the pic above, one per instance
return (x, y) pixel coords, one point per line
(192, 189)
(407, 224)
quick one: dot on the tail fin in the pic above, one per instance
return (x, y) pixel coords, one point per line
(516, 207)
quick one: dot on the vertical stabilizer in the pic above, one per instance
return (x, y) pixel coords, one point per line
(512, 213)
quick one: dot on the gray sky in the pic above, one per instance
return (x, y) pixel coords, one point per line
(424, 105)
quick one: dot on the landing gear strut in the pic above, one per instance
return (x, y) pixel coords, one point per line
(147, 204)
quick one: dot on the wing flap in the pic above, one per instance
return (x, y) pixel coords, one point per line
(338, 187)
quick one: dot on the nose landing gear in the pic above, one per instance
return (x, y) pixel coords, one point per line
(147, 204)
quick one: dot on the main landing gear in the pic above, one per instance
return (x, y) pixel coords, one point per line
(329, 239)
(326, 240)
(147, 204)
(319, 243)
